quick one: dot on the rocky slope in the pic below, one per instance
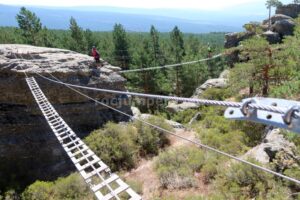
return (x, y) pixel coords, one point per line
(282, 24)
(28, 148)
(220, 82)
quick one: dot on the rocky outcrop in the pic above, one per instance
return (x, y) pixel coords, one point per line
(284, 27)
(282, 24)
(234, 39)
(275, 148)
(275, 18)
(173, 124)
(220, 82)
(28, 148)
(272, 37)
(211, 83)
(292, 10)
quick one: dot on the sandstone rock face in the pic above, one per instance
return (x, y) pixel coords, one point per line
(28, 148)
(272, 37)
(292, 10)
(281, 23)
(284, 27)
(275, 148)
(220, 82)
(136, 112)
(233, 39)
(277, 17)
(211, 83)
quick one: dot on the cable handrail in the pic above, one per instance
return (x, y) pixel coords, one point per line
(170, 66)
(207, 102)
(198, 144)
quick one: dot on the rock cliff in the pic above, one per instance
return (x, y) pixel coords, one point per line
(282, 24)
(28, 148)
(220, 82)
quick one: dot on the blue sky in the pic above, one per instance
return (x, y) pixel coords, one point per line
(205, 5)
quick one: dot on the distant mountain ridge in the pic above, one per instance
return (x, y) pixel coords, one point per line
(102, 19)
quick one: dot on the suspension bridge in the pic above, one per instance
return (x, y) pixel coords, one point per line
(107, 185)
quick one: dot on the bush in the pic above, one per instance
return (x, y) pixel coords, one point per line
(10, 195)
(240, 181)
(116, 145)
(289, 90)
(231, 142)
(185, 116)
(210, 167)
(39, 190)
(150, 139)
(176, 167)
(293, 172)
(216, 94)
(68, 188)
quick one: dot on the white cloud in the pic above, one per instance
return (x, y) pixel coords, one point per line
(177, 4)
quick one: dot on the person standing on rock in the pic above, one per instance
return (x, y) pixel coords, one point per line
(96, 54)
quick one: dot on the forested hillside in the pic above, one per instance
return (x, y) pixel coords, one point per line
(147, 158)
(130, 50)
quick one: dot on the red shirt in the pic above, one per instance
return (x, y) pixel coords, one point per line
(95, 53)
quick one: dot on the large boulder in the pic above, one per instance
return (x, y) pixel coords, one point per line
(275, 148)
(220, 82)
(211, 83)
(284, 27)
(174, 107)
(233, 39)
(28, 148)
(136, 112)
(292, 10)
(272, 37)
(275, 18)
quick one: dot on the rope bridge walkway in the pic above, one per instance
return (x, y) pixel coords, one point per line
(107, 185)
(198, 144)
(97, 175)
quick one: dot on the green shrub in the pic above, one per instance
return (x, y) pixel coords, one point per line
(72, 187)
(240, 181)
(116, 145)
(216, 94)
(231, 142)
(295, 173)
(234, 137)
(39, 190)
(11, 195)
(289, 90)
(150, 139)
(176, 167)
(210, 167)
(185, 116)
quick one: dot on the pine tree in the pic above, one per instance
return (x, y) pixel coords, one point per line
(264, 69)
(121, 46)
(178, 51)
(90, 40)
(29, 24)
(77, 42)
(158, 56)
(269, 5)
(45, 38)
